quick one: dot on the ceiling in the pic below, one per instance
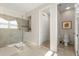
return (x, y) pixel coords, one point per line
(62, 7)
(21, 7)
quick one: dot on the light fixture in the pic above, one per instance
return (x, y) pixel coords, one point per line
(67, 8)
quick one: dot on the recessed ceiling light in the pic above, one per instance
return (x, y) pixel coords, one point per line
(67, 8)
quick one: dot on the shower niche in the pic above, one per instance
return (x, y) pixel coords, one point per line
(29, 23)
(26, 24)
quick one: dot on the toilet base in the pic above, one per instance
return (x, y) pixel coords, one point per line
(65, 44)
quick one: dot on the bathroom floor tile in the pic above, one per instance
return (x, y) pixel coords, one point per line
(28, 50)
(66, 51)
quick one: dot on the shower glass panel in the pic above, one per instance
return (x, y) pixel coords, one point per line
(3, 32)
(14, 32)
(10, 31)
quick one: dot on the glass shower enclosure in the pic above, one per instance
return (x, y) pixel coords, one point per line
(11, 31)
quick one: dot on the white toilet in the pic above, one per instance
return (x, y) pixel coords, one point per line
(66, 39)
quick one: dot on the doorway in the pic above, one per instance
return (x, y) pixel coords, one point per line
(66, 29)
(45, 27)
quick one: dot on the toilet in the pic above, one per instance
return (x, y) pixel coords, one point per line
(66, 39)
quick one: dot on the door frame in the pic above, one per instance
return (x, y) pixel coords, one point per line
(41, 10)
(76, 32)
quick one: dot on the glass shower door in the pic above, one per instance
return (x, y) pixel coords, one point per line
(15, 33)
(10, 31)
(3, 32)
